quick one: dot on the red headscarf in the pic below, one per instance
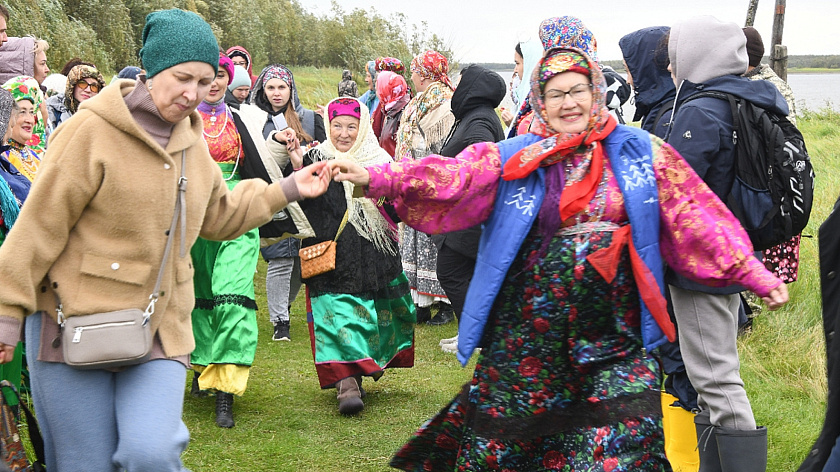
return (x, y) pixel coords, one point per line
(558, 146)
(433, 66)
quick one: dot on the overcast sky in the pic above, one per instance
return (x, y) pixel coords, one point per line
(487, 31)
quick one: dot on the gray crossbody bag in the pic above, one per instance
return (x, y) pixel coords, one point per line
(123, 337)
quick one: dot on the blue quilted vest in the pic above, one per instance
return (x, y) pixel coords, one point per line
(515, 210)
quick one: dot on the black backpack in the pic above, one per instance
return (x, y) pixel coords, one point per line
(774, 181)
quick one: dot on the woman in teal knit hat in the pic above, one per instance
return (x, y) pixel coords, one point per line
(105, 196)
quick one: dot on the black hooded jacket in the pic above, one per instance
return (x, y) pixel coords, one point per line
(474, 104)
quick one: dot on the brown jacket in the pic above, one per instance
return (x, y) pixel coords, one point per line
(96, 220)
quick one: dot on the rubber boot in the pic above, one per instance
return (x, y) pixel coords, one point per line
(349, 396)
(742, 451)
(680, 438)
(707, 445)
(224, 410)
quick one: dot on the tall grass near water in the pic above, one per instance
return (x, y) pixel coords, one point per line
(783, 358)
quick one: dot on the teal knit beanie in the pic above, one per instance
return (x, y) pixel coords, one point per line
(175, 36)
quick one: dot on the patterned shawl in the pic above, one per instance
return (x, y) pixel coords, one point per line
(364, 214)
(417, 108)
(77, 73)
(389, 63)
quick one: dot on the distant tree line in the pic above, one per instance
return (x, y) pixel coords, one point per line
(109, 32)
(794, 62)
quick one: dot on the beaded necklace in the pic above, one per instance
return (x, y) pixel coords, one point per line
(582, 230)
(23, 160)
(211, 115)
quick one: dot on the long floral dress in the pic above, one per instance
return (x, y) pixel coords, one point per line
(562, 381)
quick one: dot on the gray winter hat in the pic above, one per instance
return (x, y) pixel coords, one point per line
(704, 47)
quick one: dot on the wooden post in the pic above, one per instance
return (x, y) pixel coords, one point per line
(751, 13)
(778, 58)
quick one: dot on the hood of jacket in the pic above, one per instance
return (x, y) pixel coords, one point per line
(479, 87)
(17, 57)
(646, 61)
(704, 47)
(760, 92)
(247, 57)
(110, 106)
(259, 99)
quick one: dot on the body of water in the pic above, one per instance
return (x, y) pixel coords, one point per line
(812, 91)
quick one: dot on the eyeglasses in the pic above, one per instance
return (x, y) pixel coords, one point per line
(82, 84)
(579, 93)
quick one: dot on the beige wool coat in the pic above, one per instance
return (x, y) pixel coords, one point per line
(97, 217)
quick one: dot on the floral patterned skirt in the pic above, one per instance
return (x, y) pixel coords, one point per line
(419, 260)
(562, 382)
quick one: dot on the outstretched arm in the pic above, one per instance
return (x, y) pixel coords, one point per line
(435, 194)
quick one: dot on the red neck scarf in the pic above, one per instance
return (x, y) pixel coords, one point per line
(551, 150)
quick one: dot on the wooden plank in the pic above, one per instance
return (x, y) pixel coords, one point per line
(778, 55)
(751, 13)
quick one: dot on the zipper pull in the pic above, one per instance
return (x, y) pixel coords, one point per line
(77, 334)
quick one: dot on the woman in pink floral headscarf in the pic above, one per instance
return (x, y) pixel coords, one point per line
(393, 97)
(566, 302)
(377, 114)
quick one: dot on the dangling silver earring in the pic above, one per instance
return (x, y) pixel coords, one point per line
(149, 84)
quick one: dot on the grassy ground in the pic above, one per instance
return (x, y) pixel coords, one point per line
(286, 423)
(783, 359)
(813, 70)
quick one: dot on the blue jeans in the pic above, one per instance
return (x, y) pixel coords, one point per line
(833, 462)
(282, 283)
(108, 421)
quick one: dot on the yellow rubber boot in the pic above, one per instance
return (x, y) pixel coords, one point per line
(680, 436)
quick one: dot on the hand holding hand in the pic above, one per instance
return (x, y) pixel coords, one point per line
(507, 116)
(283, 137)
(777, 297)
(313, 180)
(345, 170)
(7, 352)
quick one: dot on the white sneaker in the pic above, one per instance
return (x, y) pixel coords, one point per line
(444, 342)
(451, 348)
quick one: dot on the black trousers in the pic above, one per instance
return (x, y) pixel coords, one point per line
(454, 272)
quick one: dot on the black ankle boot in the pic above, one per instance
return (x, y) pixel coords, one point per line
(195, 390)
(444, 315)
(224, 410)
(424, 314)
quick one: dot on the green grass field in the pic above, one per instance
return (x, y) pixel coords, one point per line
(286, 423)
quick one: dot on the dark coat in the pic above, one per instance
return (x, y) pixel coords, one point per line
(829, 271)
(646, 61)
(474, 106)
(701, 132)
